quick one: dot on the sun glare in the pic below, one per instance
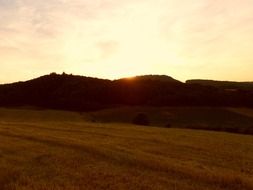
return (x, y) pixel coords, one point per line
(130, 78)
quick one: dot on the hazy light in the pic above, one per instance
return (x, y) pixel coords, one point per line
(117, 38)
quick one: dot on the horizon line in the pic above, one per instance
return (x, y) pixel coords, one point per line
(126, 77)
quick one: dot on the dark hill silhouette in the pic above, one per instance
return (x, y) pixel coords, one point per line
(85, 93)
(223, 84)
(161, 78)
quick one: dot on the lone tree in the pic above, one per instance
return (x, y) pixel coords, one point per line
(141, 119)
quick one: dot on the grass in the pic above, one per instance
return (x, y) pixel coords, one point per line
(236, 120)
(52, 150)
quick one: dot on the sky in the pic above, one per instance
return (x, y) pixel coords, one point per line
(186, 39)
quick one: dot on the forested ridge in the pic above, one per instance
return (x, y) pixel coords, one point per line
(70, 92)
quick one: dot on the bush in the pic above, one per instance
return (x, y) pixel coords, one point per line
(141, 119)
(168, 125)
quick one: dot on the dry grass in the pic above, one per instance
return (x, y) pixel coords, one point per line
(243, 111)
(50, 150)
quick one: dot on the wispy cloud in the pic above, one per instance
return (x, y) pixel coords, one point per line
(188, 38)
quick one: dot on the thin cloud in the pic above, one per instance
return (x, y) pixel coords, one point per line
(108, 48)
(156, 36)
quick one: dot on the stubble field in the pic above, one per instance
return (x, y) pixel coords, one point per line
(53, 150)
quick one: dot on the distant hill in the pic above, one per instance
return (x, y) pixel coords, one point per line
(160, 78)
(80, 93)
(223, 84)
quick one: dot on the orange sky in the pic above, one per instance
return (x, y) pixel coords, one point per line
(186, 39)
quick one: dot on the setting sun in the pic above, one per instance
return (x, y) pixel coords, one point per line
(113, 39)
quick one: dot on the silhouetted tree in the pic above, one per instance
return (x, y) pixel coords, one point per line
(80, 93)
(141, 119)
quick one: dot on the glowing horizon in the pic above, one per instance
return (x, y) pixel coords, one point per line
(190, 39)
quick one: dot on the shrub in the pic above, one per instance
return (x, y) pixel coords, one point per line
(141, 119)
(168, 125)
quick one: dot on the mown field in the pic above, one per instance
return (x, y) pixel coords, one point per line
(53, 150)
(236, 120)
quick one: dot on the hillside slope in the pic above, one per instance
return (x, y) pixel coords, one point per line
(79, 93)
(223, 84)
(76, 155)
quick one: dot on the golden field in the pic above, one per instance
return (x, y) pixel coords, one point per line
(54, 150)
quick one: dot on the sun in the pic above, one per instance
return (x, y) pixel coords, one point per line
(131, 78)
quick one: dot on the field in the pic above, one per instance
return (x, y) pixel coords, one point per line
(53, 150)
(236, 120)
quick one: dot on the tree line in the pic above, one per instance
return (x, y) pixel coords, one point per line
(80, 93)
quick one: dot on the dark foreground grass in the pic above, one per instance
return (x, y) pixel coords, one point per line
(234, 120)
(47, 150)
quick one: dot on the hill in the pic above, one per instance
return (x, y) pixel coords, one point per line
(229, 85)
(235, 120)
(80, 93)
(160, 78)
